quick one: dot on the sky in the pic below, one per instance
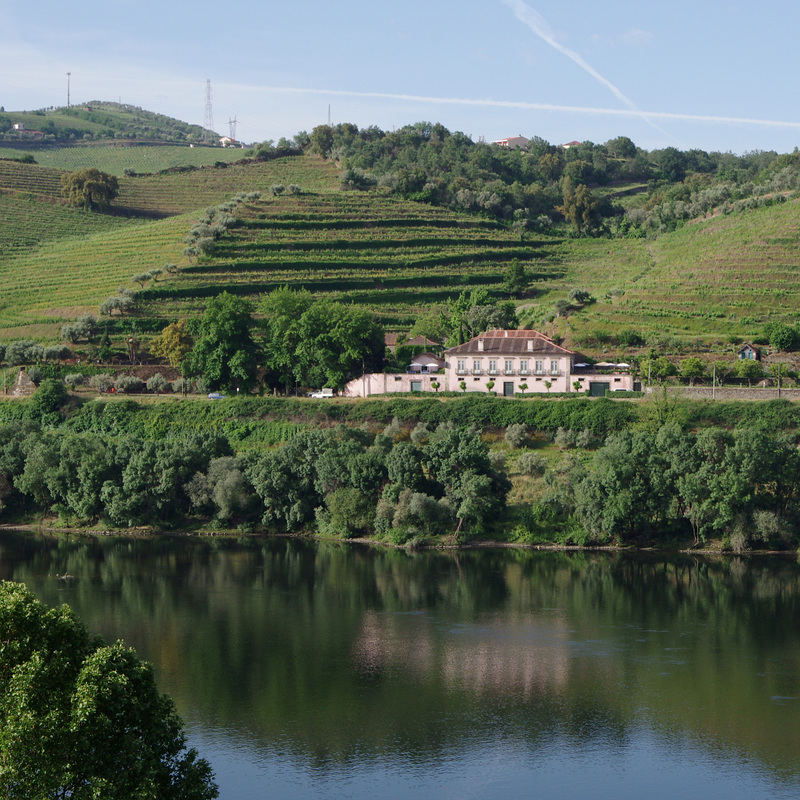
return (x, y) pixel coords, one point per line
(704, 74)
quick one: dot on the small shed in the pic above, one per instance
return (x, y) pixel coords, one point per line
(748, 352)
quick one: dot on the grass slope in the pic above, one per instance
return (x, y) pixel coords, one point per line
(392, 256)
(115, 157)
(709, 280)
(724, 276)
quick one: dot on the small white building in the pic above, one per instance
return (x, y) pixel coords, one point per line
(513, 142)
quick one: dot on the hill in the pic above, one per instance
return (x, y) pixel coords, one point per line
(96, 120)
(725, 273)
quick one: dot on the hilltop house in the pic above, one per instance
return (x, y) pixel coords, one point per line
(513, 142)
(501, 361)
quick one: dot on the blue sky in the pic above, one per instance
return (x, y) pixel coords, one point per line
(709, 74)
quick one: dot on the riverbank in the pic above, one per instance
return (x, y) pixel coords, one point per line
(447, 543)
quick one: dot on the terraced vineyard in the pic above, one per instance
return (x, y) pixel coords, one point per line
(394, 257)
(710, 280)
(725, 276)
(115, 158)
(62, 279)
(28, 223)
(180, 192)
(30, 179)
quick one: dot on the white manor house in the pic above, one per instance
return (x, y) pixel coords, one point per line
(506, 362)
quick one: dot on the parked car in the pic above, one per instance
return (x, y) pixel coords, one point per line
(216, 396)
(324, 392)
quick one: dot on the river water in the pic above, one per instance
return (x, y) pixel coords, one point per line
(319, 670)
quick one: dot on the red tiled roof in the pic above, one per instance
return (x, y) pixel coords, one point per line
(421, 341)
(501, 342)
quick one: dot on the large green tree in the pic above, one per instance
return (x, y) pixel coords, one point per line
(79, 719)
(318, 342)
(224, 351)
(89, 188)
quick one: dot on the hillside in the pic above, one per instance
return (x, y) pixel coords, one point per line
(96, 120)
(393, 256)
(699, 285)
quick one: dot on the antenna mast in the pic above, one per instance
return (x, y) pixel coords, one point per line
(208, 120)
(68, 74)
(232, 128)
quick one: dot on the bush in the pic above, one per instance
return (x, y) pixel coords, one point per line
(157, 383)
(182, 385)
(74, 380)
(101, 382)
(516, 435)
(23, 351)
(532, 464)
(57, 352)
(128, 384)
(565, 438)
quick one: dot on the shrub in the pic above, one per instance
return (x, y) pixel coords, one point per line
(532, 464)
(128, 384)
(101, 382)
(420, 434)
(57, 352)
(157, 383)
(516, 435)
(74, 380)
(565, 438)
(23, 351)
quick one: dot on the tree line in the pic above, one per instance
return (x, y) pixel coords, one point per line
(549, 183)
(740, 486)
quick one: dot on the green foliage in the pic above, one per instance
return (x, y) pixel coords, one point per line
(781, 336)
(224, 351)
(89, 188)
(81, 719)
(173, 344)
(318, 342)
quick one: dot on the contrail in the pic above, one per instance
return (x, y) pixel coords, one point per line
(537, 23)
(526, 106)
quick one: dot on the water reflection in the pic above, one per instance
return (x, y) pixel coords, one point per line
(327, 670)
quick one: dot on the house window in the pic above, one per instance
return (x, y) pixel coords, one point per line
(523, 366)
(476, 366)
(398, 377)
(492, 367)
(539, 367)
(554, 367)
(461, 367)
(509, 369)
(617, 380)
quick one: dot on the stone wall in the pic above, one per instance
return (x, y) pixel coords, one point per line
(729, 392)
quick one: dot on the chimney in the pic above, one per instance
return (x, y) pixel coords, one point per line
(506, 334)
(529, 342)
(480, 345)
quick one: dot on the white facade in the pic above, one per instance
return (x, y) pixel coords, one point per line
(504, 362)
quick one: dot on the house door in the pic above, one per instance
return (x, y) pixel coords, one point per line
(598, 388)
(508, 388)
(416, 386)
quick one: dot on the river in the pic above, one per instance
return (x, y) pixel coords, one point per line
(325, 670)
